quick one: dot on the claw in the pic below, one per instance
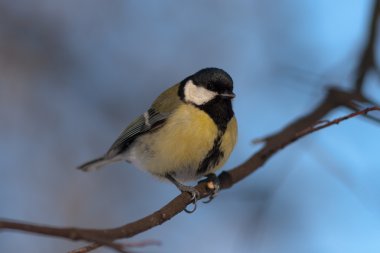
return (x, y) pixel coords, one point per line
(210, 198)
(194, 201)
(195, 195)
(213, 184)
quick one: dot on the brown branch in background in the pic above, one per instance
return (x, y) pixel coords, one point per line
(367, 61)
(116, 246)
(86, 248)
(301, 127)
(140, 244)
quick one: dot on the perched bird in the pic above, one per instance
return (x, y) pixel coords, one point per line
(189, 131)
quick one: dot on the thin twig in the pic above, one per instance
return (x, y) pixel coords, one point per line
(86, 248)
(139, 244)
(335, 121)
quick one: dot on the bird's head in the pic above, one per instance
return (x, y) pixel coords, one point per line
(207, 85)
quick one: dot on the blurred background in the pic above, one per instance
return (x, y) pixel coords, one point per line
(73, 74)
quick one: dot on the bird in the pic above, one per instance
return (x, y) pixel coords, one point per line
(188, 132)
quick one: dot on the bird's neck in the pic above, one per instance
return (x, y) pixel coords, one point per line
(220, 110)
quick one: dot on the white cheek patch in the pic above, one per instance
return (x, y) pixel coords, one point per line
(197, 95)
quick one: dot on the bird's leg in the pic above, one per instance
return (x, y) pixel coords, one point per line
(184, 188)
(213, 184)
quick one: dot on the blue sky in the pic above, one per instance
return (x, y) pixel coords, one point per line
(74, 74)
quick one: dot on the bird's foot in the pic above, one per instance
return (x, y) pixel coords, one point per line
(213, 184)
(195, 195)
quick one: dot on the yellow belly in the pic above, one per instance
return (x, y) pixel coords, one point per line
(182, 144)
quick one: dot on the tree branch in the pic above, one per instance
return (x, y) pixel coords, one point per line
(367, 61)
(301, 127)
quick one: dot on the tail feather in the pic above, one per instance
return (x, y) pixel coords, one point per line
(95, 164)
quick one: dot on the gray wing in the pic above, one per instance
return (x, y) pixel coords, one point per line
(148, 121)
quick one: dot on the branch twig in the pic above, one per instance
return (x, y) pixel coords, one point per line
(299, 128)
(86, 248)
(93, 246)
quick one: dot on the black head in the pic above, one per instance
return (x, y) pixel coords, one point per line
(206, 85)
(214, 79)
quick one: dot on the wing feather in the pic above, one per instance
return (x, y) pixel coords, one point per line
(144, 123)
(150, 120)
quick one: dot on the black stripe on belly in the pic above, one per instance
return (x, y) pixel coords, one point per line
(213, 156)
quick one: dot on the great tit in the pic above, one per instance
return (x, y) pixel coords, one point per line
(188, 132)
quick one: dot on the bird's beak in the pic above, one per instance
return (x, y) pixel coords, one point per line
(228, 94)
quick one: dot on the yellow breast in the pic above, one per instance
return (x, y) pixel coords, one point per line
(182, 144)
